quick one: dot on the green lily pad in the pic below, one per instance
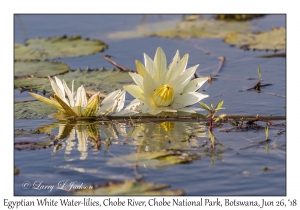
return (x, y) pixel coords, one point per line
(131, 187)
(203, 28)
(274, 39)
(32, 109)
(39, 69)
(104, 80)
(57, 47)
(156, 159)
(237, 17)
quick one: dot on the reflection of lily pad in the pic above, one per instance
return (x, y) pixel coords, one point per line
(156, 159)
(39, 69)
(203, 28)
(33, 109)
(104, 80)
(31, 140)
(274, 39)
(131, 187)
(57, 47)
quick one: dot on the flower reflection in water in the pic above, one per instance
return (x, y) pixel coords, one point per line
(86, 134)
(167, 135)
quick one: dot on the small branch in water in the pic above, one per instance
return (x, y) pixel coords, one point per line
(258, 86)
(122, 68)
(142, 119)
(222, 58)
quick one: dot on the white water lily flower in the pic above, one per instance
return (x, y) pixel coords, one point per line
(165, 89)
(77, 104)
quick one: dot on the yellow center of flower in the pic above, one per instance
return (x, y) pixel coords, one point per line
(164, 95)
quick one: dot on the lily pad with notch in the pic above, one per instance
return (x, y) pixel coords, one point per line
(57, 47)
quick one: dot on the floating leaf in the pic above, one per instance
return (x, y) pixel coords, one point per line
(156, 159)
(274, 39)
(237, 17)
(104, 80)
(33, 109)
(39, 68)
(57, 47)
(131, 187)
(203, 28)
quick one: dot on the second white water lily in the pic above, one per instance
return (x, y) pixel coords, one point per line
(159, 88)
(77, 104)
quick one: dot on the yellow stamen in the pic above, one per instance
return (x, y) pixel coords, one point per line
(164, 95)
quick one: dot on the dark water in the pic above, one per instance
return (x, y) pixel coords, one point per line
(232, 170)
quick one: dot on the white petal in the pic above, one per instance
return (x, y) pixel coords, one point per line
(60, 85)
(138, 79)
(174, 61)
(106, 108)
(150, 65)
(121, 100)
(186, 109)
(155, 111)
(144, 108)
(140, 68)
(111, 96)
(167, 109)
(149, 86)
(187, 99)
(69, 93)
(179, 83)
(161, 65)
(134, 90)
(81, 100)
(56, 89)
(125, 112)
(178, 69)
(133, 105)
(194, 85)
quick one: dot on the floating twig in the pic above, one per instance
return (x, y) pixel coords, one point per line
(258, 86)
(142, 119)
(222, 58)
(122, 68)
